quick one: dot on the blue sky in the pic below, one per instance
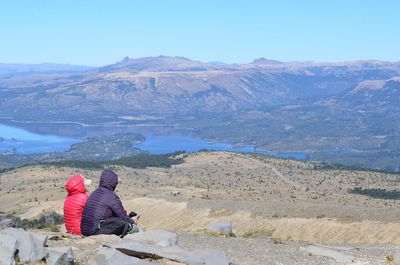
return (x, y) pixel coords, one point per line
(103, 32)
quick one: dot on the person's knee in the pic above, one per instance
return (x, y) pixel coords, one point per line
(133, 228)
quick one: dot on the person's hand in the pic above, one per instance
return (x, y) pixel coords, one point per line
(135, 219)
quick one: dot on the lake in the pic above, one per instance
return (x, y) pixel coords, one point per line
(168, 144)
(21, 141)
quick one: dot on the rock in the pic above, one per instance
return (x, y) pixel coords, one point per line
(42, 238)
(60, 256)
(111, 256)
(175, 193)
(222, 226)
(63, 229)
(169, 262)
(396, 257)
(6, 223)
(30, 247)
(8, 247)
(330, 253)
(161, 238)
(174, 253)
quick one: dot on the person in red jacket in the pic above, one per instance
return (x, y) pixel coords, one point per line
(74, 204)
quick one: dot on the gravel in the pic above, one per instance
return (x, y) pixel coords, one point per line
(264, 250)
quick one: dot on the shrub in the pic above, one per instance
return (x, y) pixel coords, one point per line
(47, 220)
(377, 193)
(134, 161)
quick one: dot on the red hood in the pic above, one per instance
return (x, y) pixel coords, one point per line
(75, 185)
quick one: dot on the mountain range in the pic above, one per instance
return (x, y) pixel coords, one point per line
(308, 107)
(40, 68)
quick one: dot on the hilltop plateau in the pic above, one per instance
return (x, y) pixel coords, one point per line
(264, 197)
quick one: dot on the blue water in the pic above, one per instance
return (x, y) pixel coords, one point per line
(292, 155)
(23, 142)
(169, 144)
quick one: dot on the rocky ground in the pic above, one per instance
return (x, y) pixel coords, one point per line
(163, 247)
(265, 250)
(278, 207)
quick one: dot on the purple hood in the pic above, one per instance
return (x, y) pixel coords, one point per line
(108, 179)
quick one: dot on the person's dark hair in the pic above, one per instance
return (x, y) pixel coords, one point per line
(132, 214)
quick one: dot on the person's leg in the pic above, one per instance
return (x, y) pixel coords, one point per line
(113, 226)
(133, 228)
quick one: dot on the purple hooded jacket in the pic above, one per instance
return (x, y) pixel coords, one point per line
(102, 204)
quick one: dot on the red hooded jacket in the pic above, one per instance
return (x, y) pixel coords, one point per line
(74, 204)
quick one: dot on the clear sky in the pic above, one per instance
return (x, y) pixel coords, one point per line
(96, 32)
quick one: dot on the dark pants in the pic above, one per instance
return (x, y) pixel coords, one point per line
(112, 226)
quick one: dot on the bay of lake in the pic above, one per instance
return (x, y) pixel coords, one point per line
(21, 141)
(168, 144)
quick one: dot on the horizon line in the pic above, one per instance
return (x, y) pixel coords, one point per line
(207, 62)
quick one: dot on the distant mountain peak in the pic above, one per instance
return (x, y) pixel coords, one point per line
(263, 60)
(159, 63)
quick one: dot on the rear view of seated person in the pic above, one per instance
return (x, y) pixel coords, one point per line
(103, 212)
(74, 203)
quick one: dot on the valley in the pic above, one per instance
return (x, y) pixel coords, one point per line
(276, 106)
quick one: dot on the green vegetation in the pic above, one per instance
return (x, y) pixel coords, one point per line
(383, 161)
(104, 148)
(377, 193)
(148, 160)
(326, 166)
(3, 170)
(134, 161)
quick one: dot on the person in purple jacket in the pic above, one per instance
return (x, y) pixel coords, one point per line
(104, 213)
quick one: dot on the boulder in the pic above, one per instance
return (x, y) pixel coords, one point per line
(111, 256)
(144, 251)
(60, 256)
(161, 238)
(29, 245)
(174, 253)
(42, 238)
(6, 223)
(221, 226)
(8, 247)
(329, 252)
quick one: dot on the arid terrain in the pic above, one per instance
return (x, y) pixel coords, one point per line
(282, 200)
